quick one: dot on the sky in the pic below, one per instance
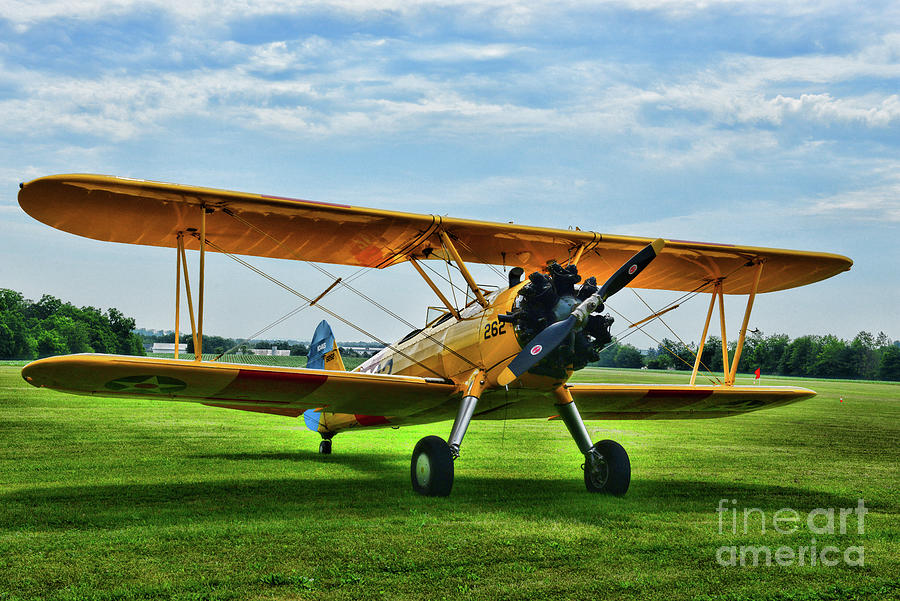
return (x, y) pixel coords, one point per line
(748, 122)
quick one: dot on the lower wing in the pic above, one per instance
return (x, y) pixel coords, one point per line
(267, 389)
(623, 401)
(291, 391)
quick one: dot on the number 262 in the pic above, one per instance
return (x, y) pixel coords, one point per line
(494, 328)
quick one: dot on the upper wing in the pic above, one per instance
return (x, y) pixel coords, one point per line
(152, 213)
(625, 401)
(285, 390)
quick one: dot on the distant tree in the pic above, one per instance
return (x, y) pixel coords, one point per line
(865, 356)
(628, 357)
(44, 308)
(607, 356)
(832, 359)
(799, 356)
(711, 357)
(890, 364)
(50, 343)
(7, 341)
(52, 327)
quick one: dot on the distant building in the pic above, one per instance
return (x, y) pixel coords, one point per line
(166, 347)
(271, 352)
(365, 351)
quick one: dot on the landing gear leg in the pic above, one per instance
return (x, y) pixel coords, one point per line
(607, 468)
(431, 469)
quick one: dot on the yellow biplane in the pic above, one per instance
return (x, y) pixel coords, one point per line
(506, 354)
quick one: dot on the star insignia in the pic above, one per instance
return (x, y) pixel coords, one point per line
(146, 385)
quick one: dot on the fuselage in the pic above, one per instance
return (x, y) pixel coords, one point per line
(453, 349)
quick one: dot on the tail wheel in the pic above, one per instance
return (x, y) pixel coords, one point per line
(607, 469)
(431, 469)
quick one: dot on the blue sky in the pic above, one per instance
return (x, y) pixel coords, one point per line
(745, 122)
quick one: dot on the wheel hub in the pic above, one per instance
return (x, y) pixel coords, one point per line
(423, 470)
(597, 469)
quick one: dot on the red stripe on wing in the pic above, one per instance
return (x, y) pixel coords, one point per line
(256, 409)
(255, 384)
(371, 420)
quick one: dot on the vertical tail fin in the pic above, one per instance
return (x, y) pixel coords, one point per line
(323, 354)
(333, 360)
(323, 350)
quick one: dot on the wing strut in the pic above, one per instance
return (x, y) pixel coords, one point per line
(464, 270)
(187, 291)
(712, 305)
(577, 256)
(434, 287)
(182, 266)
(199, 344)
(177, 292)
(729, 368)
(743, 334)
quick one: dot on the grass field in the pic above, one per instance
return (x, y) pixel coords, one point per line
(131, 499)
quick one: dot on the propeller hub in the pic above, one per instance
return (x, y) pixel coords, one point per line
(564, 307)
(552, 298)
(551, 344)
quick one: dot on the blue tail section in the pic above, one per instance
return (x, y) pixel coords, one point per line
(322, 343)
(312, 417)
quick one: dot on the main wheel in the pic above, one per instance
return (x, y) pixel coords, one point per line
(607, 469)
(431, 469)
(325, 447)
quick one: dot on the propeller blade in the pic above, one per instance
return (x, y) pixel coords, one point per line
(542, 345)
(553, 335)
(630, 270)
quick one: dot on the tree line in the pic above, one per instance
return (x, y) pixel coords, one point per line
(29, 330)
(866, 357)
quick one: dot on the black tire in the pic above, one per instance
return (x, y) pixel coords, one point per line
(612, 474)
(431, 468)
(325, 447)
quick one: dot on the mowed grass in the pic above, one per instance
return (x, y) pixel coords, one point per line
(133, 499)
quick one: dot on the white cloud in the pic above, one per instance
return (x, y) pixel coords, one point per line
(879, 204)
(511, 14)
(324, 88)
(460, 51)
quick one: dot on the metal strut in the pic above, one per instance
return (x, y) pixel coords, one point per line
(572, 418)
(474, 386)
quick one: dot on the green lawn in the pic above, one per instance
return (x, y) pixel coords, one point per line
(131, 499)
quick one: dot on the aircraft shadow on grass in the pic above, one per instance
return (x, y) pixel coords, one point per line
(166, 504)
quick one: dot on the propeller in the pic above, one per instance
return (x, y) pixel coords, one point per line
(553, 335)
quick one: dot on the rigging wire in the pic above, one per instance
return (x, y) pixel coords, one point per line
(346, 284)
(708, 376)
(322, 307)
(355, 275)
(449, 277)
(442, 276)
(481, 260)
(689, 295)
